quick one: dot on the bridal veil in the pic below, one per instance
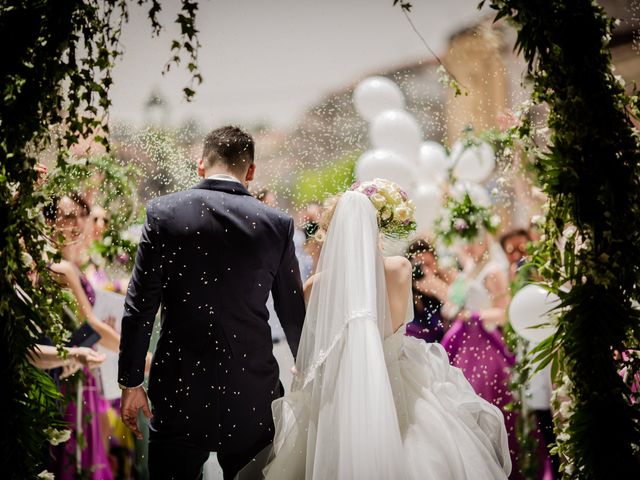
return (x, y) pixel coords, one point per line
(339, 420)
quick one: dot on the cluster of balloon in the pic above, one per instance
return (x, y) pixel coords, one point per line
(399, 153)
(531, 313)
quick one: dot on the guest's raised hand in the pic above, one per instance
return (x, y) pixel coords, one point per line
(77, 357)
(89, 357)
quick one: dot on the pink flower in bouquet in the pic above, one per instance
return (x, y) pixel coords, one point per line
(370, 190)
(355, 185)
(404, 195)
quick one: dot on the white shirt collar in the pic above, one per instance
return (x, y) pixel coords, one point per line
(224, 177)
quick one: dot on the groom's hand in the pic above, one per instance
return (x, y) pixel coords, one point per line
(134, 399)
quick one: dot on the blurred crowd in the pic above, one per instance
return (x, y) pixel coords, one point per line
(99, 446)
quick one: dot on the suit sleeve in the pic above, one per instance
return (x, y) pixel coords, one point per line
(141, 305)
(287, 293)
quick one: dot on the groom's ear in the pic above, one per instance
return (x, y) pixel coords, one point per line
(201, 167)
(250, 172)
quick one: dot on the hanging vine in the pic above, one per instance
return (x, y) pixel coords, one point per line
(590, 169)
(56, 73)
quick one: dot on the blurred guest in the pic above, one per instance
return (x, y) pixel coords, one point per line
(68, 216)
(514, 243)
(307, 249)
(429, 293)
(97, 227)
(538, 388)
(99, 222)
(478, 299)
(267, 197)
(119, 440)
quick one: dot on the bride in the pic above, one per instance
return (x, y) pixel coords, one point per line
(367, 401)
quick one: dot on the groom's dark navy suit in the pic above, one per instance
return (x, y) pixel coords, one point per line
(208, 257)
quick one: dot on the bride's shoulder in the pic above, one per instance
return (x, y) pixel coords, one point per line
(397, 271)
(397, 265)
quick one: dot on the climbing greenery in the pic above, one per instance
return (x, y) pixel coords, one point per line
(588, 164)
(55, 80)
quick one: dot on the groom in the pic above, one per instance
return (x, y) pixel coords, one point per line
(209, 256)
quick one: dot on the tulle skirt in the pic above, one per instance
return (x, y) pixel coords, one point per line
(445, 430)
(448, 431)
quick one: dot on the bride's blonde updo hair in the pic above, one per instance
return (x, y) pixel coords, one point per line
(328, 209)
(394, 209)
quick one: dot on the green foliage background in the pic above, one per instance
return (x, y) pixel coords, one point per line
(316, 184)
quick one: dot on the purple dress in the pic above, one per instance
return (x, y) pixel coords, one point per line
(483, 357)
(427, 322)
(93, 457)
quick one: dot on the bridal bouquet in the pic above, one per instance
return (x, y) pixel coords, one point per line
(395, 210)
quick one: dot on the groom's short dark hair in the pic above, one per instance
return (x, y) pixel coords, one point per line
(230, 146)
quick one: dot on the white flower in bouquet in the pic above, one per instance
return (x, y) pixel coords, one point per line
(402, 213)
(46, 475)
(378, 200)
(386, 190)
(394, 209)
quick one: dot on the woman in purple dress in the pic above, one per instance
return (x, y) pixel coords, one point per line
(68, 216)
(480, 296)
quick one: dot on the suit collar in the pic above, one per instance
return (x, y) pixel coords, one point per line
(222, 186)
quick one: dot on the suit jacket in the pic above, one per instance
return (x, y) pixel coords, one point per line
(209, 256)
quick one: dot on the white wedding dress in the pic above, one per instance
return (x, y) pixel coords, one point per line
(368, 403)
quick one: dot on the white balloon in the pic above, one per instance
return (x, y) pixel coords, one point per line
(398, 131)
(531, 306)
(385, 164)
(474, 163)
(478, 193)
(428, 201)
(375, 95)
(432, 162)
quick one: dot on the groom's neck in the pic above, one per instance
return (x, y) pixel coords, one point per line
(220, 171)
